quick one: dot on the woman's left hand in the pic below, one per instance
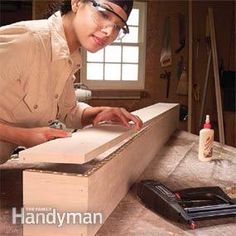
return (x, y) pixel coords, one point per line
(95, 115)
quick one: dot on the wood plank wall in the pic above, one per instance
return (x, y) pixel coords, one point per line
(224, 17)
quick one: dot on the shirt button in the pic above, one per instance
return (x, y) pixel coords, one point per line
(70, 62)
(35, 106)
(56, 96)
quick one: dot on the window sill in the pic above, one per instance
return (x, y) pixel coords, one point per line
(118, 94)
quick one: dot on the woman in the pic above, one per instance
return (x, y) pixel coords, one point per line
(37, 62)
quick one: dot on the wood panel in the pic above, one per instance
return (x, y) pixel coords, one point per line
(88, 143)
(216, 77)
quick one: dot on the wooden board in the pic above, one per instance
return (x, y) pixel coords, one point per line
(101, 188)
(190, 65)
(88, 143)
(216, 76)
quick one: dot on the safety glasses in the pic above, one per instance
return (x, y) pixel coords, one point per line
(101, 18)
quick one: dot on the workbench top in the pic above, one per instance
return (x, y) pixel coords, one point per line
(175, 165)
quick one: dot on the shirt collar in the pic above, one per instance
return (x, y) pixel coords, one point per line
(60, 49)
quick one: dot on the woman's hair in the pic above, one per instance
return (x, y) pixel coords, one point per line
(65, 6)
(62, 6)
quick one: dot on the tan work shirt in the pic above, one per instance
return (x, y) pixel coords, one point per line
(36, 76)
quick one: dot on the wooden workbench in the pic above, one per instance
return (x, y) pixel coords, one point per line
(176, 165)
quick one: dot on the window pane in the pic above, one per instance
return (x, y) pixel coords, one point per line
(130, 54)
(129, 72)
(94, 71)
(132, 37)
(98, 56)
(134, 17)
(112, 71)
(113, 54)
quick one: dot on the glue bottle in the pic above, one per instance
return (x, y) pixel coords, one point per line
(206, 138)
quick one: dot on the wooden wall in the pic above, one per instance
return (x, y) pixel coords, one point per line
(224, 17)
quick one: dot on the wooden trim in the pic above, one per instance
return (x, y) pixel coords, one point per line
(102, 188)
(190, 65)
(206, 80)
(216, 77)
(88, 143)
(118, 94)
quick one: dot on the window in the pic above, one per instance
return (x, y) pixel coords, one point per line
(120, 65)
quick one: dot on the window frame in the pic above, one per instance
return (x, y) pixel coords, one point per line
(122, 85)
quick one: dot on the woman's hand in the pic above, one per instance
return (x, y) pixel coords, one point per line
(29, 137)
(33, 136)
(95, 115)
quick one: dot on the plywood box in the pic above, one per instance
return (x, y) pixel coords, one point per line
(97, 186)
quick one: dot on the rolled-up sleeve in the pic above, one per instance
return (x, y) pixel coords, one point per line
(70, 111)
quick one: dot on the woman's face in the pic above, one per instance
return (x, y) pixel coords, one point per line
(96, 29)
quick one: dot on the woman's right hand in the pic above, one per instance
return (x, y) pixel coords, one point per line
(29, 137)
